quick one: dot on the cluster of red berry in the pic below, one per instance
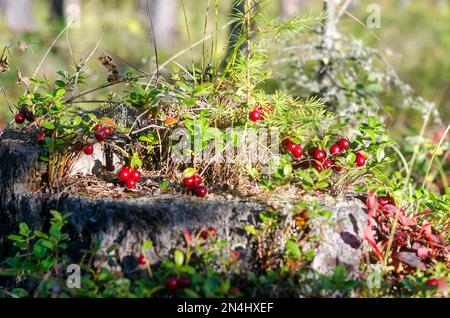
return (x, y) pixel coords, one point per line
(23, 114)
(294, 148)
(211, 231)
(385, 200)
(194, 183)
(129, 177)
(173, 283)
(101, 133)
(259, 113)
(319, 159)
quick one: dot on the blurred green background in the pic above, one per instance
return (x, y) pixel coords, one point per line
(414, 36)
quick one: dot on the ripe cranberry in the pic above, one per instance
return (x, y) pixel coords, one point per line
(189, 182)
(141, 260)
(100, 136)
(360, 159)
(128, 168)
(20, 118)
(201, 191)
(197, 180)
(335, 150)
(298, 152)
(136, 175)
(184, 282)
(98, 127)
(255, 115)
(318, 166)
(319, 155)
(88, 149)
(23, 111)
(40, 136)
(327, 164)
(130, 183)
(383, 200)
(337, 168)
(432, 282)
(292, 146)
(212, 230)
(204, 234)
(124, 175)
(107, 131)
(172, 283)
(30, 116)
(305, 165)
(344, 143)
(312, 151)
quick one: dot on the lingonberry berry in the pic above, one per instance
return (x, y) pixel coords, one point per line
(40, 136)
(23, 111)
(78, 147)
(255, 115)
(30, 117)
(189, 182)
(335, 150)
(319, 155)
(286, 142)
(98, 127)
(360, 159)
(172, 283)
(327, 164)
(100, 135)
(130, 183)
(201, 191)
(318, 166)
(197, 181)
(336, 167)
(298, 152)
(88, 149)
(107, 131)
(124, 175)
(141, 260)
(212, 231)
(344, 143)
(312, 151)
(19, 119)
(204, 234)
(136, 175)
(292, 146)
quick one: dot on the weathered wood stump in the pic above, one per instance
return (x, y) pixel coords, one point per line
(130, 222)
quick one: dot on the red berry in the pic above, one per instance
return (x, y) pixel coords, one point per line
(126, 168)
(20, 118)
(124, 175)
(23, 111)
(172, 283)
(201, 191)
(130, 183)
(384, 200)
(360, 160)
(98, 127)
(100, 136)
(255, 115)
(40, 136)
(318, 166)
(336, 167)
(184, 282)
(204, 234)
(88, 149)
(30, 117)
(327, 164)
(136, 175)
(298, 152)
(344, 143)
(212, 230)
(319, 155)
(197, 181)
(107, 131)
(292, 146)
(335, 150)
(189, 182)
(141, 260)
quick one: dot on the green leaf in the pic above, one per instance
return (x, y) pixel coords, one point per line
(189, 172)
(351, 157)
(147, 245)
(250, 229)
(48, 125)
(135, 161)
(293, 251)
